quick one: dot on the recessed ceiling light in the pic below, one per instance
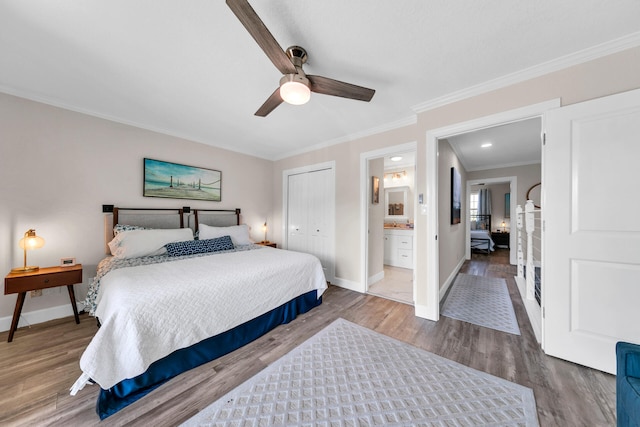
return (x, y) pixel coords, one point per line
(486, 145)
(396, 158)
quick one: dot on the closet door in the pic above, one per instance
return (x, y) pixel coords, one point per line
(297, 207)
(320, 193)
(310, 216)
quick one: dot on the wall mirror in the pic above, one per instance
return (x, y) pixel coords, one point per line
(395, 199)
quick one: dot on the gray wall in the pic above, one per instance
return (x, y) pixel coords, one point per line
(376, 221)
(451, 237)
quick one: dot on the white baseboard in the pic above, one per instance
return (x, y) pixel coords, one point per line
(349, 284)
(450, 279)
(39, 316)
(375, 278)
(533, 309)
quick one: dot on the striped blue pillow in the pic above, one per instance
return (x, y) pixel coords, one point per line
(191, 247)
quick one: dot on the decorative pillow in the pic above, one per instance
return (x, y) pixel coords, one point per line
(190, 247)
(239, 233)
(139, 243)
(119, 228)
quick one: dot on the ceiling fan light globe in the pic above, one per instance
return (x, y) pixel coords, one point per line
(294, 89)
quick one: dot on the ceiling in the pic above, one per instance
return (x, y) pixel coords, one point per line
(513, 144)
(190, 69)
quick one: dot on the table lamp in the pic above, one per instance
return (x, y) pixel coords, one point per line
(504, 227)
(29, 241)
(264, 228)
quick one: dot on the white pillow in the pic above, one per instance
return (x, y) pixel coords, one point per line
(139, 243)
(239, 233)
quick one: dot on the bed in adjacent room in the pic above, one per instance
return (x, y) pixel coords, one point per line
(480, 234)
(167, 303)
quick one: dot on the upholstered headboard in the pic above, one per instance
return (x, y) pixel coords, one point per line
(215, 217)
(151, 218)
(142, 217)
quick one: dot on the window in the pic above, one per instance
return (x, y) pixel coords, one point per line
(473, 207)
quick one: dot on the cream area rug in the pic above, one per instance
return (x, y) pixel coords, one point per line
(483, 301)
(347, 375)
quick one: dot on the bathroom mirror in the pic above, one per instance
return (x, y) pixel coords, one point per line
(395, 200)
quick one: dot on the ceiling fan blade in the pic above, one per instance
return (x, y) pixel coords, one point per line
(328, 86)
(261, 34)
(270, 104)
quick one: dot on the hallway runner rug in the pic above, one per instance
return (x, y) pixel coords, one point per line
(483, 301)
(347, 375)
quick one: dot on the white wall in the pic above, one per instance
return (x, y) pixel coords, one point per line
(58, 167)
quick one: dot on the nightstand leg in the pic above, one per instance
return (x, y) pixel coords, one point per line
(16, 315)
(72, 297)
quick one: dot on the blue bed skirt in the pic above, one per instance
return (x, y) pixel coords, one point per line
(128, 391)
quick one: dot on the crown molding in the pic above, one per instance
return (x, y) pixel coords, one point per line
(576, 58)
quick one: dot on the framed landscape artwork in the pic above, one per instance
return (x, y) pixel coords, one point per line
(176, 181)
(456, 199)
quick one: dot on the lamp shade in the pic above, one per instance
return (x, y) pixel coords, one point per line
(294, 89)
(28, 242)
(31, 240)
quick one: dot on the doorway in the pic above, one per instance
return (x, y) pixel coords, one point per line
(435, 229)
(389, 208)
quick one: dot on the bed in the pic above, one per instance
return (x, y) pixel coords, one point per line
(166, 310)
(480, 234)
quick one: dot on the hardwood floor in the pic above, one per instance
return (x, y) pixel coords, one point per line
(39, 366)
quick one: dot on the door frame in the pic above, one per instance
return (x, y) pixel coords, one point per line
(364, 208)
(432, 309)
(330, 165)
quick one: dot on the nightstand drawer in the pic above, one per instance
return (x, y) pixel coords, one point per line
(13, 285)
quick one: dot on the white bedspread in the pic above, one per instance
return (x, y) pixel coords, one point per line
(149, 311)
(481, 244)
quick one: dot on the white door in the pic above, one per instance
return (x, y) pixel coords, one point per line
(310, 216)
(320, 194)
(591, 252)
(297, 209)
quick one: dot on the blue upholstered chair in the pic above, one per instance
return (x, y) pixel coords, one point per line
(628, 384)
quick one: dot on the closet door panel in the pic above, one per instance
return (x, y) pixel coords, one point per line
(298, 207)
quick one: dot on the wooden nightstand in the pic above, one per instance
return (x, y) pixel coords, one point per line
(47, 277)
(273, 245)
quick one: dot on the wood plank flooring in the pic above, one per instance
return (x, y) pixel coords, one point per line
(39, 366)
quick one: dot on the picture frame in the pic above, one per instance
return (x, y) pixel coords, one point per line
(375, 190)
(507, 205)
(456, 196)
(178, 181)
(67, 262)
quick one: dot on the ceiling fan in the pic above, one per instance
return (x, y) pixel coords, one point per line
(295, 86)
